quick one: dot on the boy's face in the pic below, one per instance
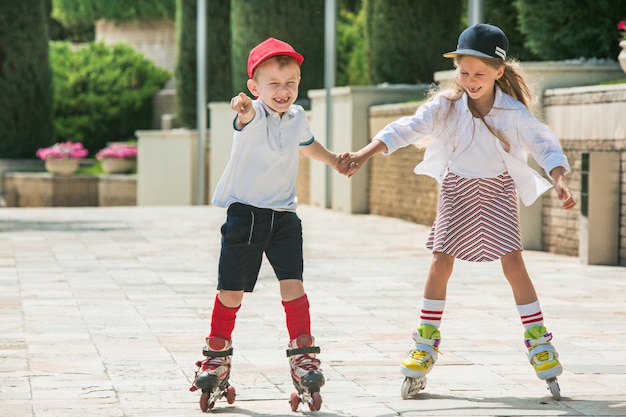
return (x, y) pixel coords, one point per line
(276, 85)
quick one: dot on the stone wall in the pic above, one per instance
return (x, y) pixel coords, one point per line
(394, 189)
(117, 190)
(48, 190)
(586, 119)
(155, 38)
(303, 181)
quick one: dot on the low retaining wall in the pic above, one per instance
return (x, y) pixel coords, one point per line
(589, 120)
(49, 190)
(394, 189)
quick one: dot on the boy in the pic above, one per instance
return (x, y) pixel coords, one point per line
(258, 188)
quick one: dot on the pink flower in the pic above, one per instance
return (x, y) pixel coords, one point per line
(621, 25)
(117, 151)
(63, 150)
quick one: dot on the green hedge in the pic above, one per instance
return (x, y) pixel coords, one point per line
(557, 30)
(25, 78)
(503, 14)
(71, 12)
(352, 54)
(102, 93)
(407, 38)
(299, 23)
(218, 65)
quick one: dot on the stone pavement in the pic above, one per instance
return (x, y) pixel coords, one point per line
(103, 312)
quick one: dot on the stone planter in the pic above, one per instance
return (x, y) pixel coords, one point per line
(65, 166)
(622, 56)
(119, 166)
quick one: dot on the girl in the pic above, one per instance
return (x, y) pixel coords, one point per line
(479, 131)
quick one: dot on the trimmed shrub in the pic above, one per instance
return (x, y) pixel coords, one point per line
(407, 39)
(565, 29)
(25, 79)
(102, 93)
(71, 12)
(352, 59)
(218, 66)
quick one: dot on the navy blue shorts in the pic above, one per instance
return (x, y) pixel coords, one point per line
(248, 233)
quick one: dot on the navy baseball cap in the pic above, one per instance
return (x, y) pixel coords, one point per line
(482, 40)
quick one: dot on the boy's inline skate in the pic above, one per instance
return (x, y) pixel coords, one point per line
(420, 360)
(305, 372)
(213, 373)
(543, 358)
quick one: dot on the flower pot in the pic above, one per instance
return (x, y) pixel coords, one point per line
(119, 166)
(622, 56)
(63, 166)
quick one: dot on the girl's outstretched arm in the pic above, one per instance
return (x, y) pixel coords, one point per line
(562, 192)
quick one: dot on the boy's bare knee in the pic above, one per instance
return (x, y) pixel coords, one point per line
(231, 299)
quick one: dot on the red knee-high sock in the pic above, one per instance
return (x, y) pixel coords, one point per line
(298, 317)
(222, 320)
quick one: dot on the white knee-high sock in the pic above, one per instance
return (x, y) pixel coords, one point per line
(530, 314)
(431, 313)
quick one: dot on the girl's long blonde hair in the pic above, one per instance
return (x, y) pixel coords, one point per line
(512, 83)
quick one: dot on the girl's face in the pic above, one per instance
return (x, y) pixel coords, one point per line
(478, 79)
(276, 85)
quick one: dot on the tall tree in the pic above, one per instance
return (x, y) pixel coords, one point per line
(218, 75)
(407, 38)
(503, 14)
(571, 28)
(298, 22)
(25, 78)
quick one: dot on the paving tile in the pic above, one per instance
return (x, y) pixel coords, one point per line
(103, 312)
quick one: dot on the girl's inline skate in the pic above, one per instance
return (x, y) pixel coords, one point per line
(543, 358)
(420, 361)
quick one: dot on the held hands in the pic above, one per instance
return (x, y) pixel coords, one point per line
(348, 164)
(351, 162)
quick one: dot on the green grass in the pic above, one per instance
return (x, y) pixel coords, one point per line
(620, 81)
(94, 169)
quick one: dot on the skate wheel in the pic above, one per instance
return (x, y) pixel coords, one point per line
(204, 402)
(294, 401)
(411, 387)
(317, 402)
(406, 388)
(230, 394)
(555, 390)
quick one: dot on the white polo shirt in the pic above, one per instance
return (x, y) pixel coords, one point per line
(263, 163)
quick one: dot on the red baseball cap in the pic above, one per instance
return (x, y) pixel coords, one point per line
(267, 49)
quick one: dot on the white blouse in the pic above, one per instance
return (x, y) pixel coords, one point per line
(476, 155)
(447, 122)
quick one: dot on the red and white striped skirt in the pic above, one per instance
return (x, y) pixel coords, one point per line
(477, 218)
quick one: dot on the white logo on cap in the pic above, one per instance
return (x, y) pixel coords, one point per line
(501, 53)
